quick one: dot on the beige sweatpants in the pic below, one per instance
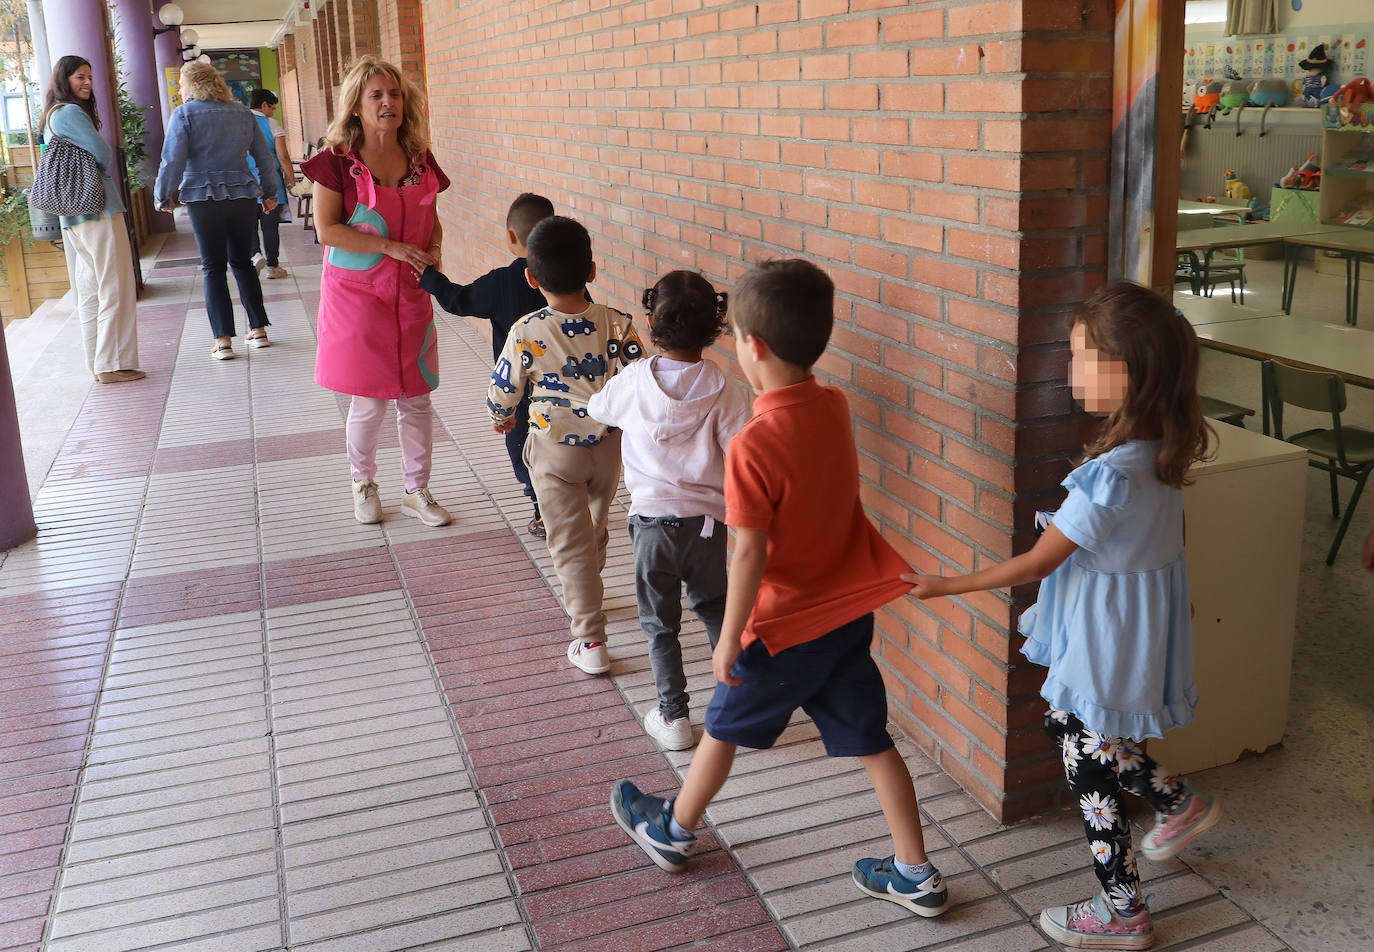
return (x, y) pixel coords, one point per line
(100, 265)
(575, 485)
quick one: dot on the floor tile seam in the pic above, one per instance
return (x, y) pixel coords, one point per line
(360, 880)
(305, 801)
(114, 904)
(168, 826)
(389, 848)
(114, 798)
(438, 815)
(174, 917)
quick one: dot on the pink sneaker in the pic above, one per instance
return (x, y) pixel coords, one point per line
(1174, 831)
(1092, 924)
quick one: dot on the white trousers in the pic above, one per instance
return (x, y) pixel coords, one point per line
(100, 266)
(414, 427)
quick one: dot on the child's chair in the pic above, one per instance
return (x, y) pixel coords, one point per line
(1340, 451)
(1227, 265)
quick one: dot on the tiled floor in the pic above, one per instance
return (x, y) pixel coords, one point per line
(234, 719)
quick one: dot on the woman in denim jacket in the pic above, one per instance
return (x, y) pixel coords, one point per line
(204, 158)
(99, 261)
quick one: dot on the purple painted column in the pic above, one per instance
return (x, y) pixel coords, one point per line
(80, 27)
(133, 26)
(16, 515)
(168, 53)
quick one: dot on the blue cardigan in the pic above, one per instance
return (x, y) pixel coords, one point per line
(205, 154)
(71, 123)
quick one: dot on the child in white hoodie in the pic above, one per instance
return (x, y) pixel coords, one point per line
(678, 412)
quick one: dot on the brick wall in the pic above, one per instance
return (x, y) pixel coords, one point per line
(945, 161)
(401, 30)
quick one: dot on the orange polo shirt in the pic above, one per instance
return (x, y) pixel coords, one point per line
(793, 471)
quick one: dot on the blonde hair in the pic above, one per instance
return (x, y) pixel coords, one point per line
(345, 133)
(205, 82)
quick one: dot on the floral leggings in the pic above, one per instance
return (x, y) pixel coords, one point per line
(1099, 768)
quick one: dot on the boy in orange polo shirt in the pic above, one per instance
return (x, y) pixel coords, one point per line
(807, 573)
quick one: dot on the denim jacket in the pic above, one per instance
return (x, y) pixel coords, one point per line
(71, 123)
(205, 154)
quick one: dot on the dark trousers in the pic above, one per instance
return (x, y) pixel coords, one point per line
(1099, 768)
(270, 246)
(224, 231)
(515, 446)
(670, 553)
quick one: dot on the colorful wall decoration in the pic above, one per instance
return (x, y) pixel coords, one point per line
(241, 69)
(1206, 54)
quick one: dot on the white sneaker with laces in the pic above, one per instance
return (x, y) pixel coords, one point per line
(422, 506)
(367, 507)
(593, 660)
(670, 735)
(259, 261)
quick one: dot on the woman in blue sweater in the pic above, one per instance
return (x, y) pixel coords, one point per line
(99, 262)
(205, 168)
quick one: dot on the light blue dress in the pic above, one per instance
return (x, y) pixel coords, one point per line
(1113, 623)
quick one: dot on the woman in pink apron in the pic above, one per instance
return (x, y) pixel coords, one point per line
(374, 191)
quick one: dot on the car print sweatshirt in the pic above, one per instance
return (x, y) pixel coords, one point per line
(678, 419)
(562, 359)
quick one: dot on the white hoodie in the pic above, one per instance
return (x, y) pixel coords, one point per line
(678, 419)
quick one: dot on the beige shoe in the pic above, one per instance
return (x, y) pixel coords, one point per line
(258, 341)
(275, 272)
(367, 506)
(422, 506)
(120, 376)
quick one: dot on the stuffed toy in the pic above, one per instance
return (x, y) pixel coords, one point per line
(1308, 175)
(1208, 94)
(1314, 83)
(1235, 188)
(1269, 92)
(1350, 97)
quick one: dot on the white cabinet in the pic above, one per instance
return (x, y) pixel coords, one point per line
(1244, 526)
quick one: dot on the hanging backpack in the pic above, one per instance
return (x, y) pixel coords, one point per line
(67, 181)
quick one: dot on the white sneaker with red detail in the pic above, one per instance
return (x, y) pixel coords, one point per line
(592, 659)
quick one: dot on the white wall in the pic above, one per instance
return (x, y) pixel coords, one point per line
(1211, 14)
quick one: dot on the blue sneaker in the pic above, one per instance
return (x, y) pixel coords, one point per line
(880, 879)
(647, 819)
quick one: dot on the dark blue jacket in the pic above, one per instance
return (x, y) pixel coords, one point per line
(502, 296)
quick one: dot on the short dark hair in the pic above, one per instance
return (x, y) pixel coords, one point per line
(559, 255)
(260, 97)
(526, 211)
(789, 305)
(685, 312)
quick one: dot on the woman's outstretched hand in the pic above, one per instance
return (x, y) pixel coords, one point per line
(413, 255)
(926, 586)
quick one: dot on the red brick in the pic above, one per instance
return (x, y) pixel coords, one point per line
(985, 18)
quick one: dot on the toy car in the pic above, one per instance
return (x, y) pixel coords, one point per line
(577, 326)
(500, 375)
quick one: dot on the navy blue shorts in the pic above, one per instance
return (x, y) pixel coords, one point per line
(833, 679)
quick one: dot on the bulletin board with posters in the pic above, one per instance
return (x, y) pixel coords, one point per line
(241, 69)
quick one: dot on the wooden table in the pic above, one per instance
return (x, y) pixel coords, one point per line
(1353, 244)
(1343, 350)
(1205, 310)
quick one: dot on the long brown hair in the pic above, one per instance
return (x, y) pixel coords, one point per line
(345, 133)
(1136, 325)
(60, 91)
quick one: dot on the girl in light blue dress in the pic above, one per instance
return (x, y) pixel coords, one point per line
(1113, 620)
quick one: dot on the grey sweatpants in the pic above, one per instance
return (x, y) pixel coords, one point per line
(670, 553)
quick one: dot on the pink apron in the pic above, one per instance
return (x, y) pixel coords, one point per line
(376, 324)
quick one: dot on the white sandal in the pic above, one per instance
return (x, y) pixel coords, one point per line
(259, 342)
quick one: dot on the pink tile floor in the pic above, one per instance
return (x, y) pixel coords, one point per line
(232, 718)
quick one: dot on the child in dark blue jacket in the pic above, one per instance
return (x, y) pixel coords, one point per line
(503, 296)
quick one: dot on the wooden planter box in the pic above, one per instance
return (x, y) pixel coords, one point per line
(32, 276)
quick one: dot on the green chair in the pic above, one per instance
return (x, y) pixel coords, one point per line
(1226, 265)
(1340, 451)
(1224, 412)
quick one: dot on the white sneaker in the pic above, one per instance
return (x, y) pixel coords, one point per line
(367, 507)
(259, 261)
(422, 506)
(593, 660)
(670, 735)
(276, 272)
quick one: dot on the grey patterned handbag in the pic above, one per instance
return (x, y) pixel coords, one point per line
(67, 181)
